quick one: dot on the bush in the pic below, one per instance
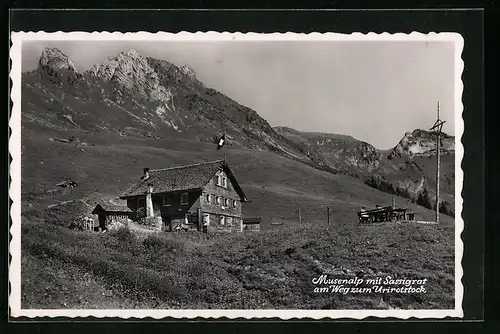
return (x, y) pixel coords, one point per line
(381, 184)
(446, 208)
(424, 199)
(54, 221)
(123, 234)
(150, 222)
(140, 214)
(157, 243)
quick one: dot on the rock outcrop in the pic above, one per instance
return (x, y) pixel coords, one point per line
(422, 143)
(131, 72)
(57, 67)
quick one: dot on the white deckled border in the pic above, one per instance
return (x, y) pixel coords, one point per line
(15, 173)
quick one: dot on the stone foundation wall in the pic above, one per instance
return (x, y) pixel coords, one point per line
(154, 223)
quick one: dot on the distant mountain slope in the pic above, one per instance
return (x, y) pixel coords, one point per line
(342, 153)
(409, 165)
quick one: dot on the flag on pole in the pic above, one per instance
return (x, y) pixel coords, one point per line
(221, 141)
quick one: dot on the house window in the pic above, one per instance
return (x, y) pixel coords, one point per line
(222, 220)
(226, 202)
(221, 180)
(206, 219)
(217, 199)
(229, 221)
(184, 198)
(167, 200)
(193, 218)
(208, 198)
(234, 204)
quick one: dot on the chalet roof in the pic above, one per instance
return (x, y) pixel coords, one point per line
(111, 207)
(180, 178)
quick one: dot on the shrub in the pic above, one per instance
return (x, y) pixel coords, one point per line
(54, 221)
(381, 184)
(150, 222)
(157, 243)
(140, 214)
(123, 234)
(424, 199)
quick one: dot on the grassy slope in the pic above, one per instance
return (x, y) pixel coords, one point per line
(398, 169)
(256, 270)
(277, 186)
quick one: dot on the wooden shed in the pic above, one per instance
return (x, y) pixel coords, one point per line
(111, 215)
(251, 224)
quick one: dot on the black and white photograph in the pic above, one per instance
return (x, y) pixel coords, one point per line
(236, 175)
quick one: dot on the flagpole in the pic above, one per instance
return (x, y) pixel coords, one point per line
(222, 140)
(437, 128)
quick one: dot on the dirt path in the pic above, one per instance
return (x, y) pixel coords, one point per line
(138, 228)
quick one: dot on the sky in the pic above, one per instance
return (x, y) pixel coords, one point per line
(375, 91)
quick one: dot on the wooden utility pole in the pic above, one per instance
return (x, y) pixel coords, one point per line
(328, 214)
(437, 128)
(300, 216)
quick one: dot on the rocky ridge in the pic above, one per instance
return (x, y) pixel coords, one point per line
(132, 95)
(408, 167)
(343, 153)
(422, 143)
(57, 66)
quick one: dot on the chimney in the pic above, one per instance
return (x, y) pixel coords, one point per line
(146, 174)
(149, 201)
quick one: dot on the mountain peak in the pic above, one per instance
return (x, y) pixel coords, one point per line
(56, 59)
(123, 64)
(130, 71)
(55, 65)
(132, 53)
(188, 71)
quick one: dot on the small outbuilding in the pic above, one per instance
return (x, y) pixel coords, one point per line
(251, 224)
(67, 184)
(111, 216)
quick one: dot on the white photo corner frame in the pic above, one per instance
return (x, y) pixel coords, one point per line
(18, 38)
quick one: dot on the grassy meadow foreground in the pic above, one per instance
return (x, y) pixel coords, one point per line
(62, 268)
